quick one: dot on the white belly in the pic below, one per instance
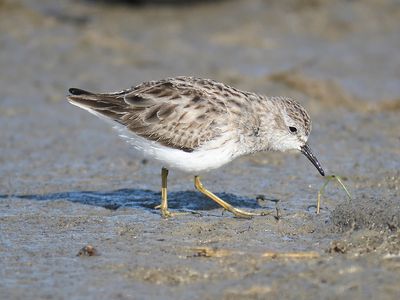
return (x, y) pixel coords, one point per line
(204, 159)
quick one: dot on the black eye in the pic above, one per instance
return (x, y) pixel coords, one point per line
(292, 129)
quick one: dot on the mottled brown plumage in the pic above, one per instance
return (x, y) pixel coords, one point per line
(182, 112)
(191, 114)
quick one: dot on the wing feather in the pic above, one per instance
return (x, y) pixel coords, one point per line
(176, 113)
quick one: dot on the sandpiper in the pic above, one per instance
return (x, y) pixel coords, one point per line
(196, 125)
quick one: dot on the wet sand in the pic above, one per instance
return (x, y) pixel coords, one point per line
(67, 181)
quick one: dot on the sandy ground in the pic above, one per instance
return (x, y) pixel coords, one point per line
(67, 181)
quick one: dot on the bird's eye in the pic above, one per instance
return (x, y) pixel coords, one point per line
(292, 129)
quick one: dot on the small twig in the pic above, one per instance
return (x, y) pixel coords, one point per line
(214, 252)
(291, 255)
(322, 189)
(343, 186)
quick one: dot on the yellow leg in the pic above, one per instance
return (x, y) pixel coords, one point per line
(165, 213)
(237, 212)
(164, 195)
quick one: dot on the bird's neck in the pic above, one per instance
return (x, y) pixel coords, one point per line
(259, 126)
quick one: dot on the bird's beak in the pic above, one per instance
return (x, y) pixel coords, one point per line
(307, 152)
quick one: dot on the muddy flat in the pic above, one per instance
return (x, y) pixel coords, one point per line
(77, 217)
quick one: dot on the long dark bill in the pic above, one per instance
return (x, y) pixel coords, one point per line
(307, 152)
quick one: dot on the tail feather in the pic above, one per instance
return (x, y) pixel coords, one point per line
(78, 92)
(103, 106)
(92, 103)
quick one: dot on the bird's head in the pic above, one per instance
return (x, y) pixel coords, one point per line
(293, 126)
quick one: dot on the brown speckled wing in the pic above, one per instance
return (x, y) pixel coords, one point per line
(170, 112)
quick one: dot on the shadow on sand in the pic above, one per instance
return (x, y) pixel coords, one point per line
(137, 198)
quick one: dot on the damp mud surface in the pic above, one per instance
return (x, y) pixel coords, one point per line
(77, 217)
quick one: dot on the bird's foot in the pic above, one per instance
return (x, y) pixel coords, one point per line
(245, 214)
(165, 213)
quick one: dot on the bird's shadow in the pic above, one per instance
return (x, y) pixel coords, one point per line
(139, 198)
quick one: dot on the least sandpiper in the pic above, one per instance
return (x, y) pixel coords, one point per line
(196, 125)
